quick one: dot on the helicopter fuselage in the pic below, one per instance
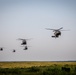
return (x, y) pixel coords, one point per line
(1, 49)
(56, 33)
(24, 42)
(25, 48)
(14, 50)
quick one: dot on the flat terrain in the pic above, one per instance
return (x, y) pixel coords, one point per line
(34, 63)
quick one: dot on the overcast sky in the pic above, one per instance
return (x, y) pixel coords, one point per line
(28, 19)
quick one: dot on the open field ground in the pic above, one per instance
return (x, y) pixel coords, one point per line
(30, 64)
(38, 68)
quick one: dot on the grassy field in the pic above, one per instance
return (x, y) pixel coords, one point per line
(30, 64)
(38, 68)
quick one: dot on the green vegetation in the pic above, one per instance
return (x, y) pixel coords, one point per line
(51, 69)
(42, 70)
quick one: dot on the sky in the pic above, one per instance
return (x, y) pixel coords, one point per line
(28, 19)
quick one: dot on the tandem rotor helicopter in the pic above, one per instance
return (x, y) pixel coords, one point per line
(57, 32)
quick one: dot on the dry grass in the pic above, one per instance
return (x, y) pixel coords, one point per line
(30, 64)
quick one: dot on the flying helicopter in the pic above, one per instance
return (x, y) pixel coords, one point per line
(1, 48)
(14, 50)
(25, 48)
(24, 41)
(57, 32)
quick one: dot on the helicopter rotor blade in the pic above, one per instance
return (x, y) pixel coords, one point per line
(21, 39)
(28, 39)
(50, 29)
(24, 39)
(60, 28)
(65, 30)
(54, 29)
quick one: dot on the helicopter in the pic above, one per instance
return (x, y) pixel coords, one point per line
(14, 50)
(57, 32)
(24, 41)
(1, 48)
(25, 48)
